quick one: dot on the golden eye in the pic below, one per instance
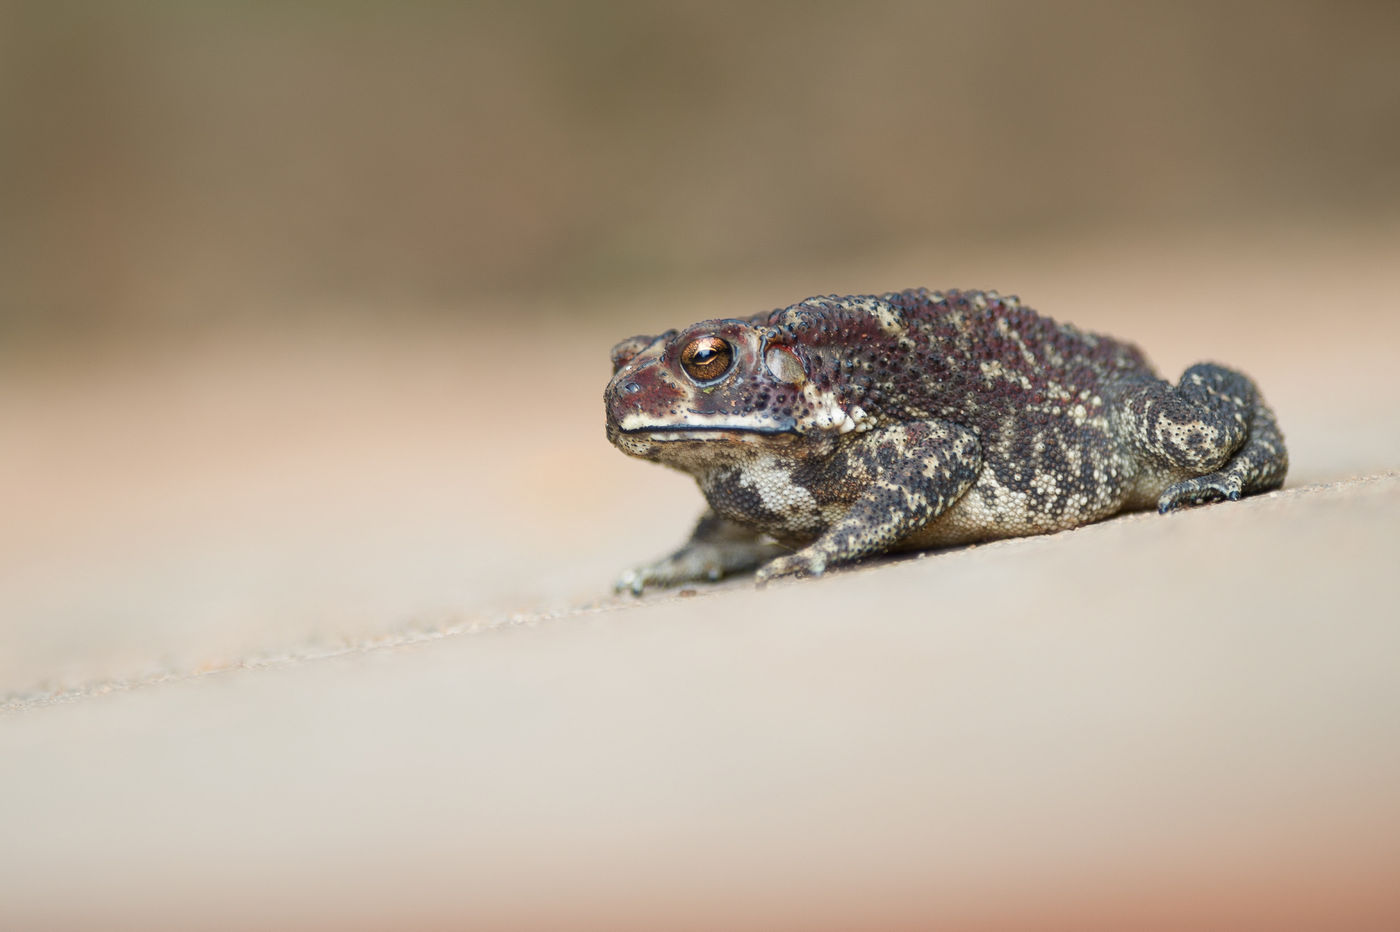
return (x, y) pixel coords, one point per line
(707, 358)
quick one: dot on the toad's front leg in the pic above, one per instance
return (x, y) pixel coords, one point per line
(897, 479)
(716, 548)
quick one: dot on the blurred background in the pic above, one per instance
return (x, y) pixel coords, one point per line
(189, 164)
(305, 307)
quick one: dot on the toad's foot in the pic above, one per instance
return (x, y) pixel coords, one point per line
(806, 562)
(718, 548)
(1216, 487)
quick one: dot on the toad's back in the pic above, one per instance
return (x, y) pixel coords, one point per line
(970, 357)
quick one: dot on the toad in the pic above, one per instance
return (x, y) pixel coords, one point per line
(842, 428)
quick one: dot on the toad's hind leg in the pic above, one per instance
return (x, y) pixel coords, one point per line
(1213, 426)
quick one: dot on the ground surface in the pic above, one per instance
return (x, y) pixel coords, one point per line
(317, 628)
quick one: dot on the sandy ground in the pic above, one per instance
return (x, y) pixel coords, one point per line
(316, 629)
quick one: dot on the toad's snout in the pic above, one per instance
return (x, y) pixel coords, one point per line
(641, 392)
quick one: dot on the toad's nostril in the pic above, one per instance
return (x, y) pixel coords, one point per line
(631, 388)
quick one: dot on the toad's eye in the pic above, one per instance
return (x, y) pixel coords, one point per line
(707, 358)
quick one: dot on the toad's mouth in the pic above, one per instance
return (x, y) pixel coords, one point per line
(675, 433)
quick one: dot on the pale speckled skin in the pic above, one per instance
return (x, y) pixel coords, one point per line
(849, 427)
